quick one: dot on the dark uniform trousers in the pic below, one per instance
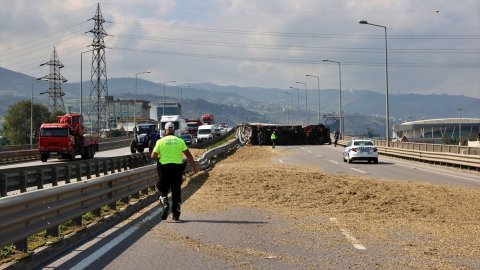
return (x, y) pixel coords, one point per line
(170, 178)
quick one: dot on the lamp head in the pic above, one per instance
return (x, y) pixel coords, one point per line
(362, 22)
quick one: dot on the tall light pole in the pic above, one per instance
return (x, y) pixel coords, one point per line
(341, 127)
(386, 80)
(31, 111)
(291, 106)
(298, 97)
(460, 126)
(163, 108)
(81, 80)
(306, 106)
(135, 102)
(318, 89)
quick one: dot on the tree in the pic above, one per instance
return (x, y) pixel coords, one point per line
(16, 127)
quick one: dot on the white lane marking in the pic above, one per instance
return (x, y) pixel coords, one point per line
(280, 160)
(301, 147)
(358, 170)
(319, 156)
(85, 263)
(355, 243)
(446, 174)
(333, 161)
(309, 151)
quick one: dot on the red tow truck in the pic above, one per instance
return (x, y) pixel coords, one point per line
(208, 119)
(66, 139)
(192, 126)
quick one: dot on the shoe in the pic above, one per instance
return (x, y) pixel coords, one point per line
(176, 217)
(165, 206)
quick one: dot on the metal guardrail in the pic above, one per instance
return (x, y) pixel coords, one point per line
(32, 154)
(448, 155)
(28, 213)
(36, 176)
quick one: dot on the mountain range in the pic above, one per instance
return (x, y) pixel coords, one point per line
(232, 104)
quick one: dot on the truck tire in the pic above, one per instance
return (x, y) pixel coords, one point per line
(140, 149)
(43, 157)
(92, 151)
(133, 149)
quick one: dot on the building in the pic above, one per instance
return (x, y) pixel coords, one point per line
(124, 112)
(435, 130)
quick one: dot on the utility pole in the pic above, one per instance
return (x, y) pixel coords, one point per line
(55, 79)
(98, 114)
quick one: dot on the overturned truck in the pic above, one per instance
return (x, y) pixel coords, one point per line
(290, 135)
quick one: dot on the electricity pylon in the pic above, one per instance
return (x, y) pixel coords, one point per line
(55, 79)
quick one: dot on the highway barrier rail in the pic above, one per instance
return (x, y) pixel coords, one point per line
(26, 214)
(447, 155)
(12, 156)
(24, 178)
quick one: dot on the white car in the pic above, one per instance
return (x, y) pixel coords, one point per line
(360, 149)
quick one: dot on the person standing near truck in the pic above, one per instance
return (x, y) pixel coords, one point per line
(168, 151)
(273, 138)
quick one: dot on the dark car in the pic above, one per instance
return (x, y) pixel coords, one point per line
(187, 138)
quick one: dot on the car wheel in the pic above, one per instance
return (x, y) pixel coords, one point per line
(344, 160)
(350, 160)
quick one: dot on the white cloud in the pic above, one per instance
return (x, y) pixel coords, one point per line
(218, 41)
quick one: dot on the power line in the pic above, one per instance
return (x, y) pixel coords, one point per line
(297, 61)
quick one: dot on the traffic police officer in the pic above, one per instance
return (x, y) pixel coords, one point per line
(168, 151)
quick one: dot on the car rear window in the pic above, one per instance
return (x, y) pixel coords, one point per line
(362, 143)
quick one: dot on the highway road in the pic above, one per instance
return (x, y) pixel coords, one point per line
(245, 238)
(329, 159)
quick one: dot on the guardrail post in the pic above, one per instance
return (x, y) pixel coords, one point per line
(21, 245)
(3, 185)
(89, 170)
(55, 176)
(105, 167)
(23, 181)
(97, 168)
(68, 174)
(41, 178)
(112, 165)
(112, 205)
(53, 231)
(78, 221)
(125, 163)
(79, 171)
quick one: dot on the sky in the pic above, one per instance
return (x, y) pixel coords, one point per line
(433, 46)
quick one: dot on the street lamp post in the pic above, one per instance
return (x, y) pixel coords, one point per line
(306, 106)
(81, 80)
(386, 80)
(135, 102)
(341, 127)
(291, 106)
(460, 127)
(163, 107)
(318, 89)
(31, 112)
(298, 97)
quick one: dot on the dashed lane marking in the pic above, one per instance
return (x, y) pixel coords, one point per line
(279, 160)
(333, 161)
(356, 244)
(319, 156)
(357, 170)
(309, 151)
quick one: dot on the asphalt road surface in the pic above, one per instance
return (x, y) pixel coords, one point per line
(244, 238)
